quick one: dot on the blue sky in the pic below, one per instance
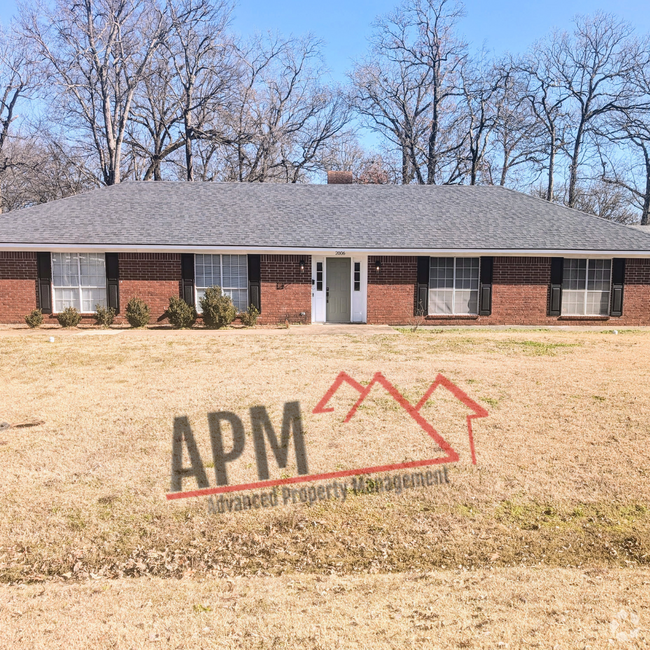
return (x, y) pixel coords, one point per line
(503, 26)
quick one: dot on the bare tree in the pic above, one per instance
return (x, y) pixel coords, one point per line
(40, 171)
(438, 49)
(631, 172)
(592, 69)
(548, 102)
(345, 153)
(628, 165)
(283, 116)
(391, 98)
(516, 153)
(18, 78)
(96, 53)
(185, 83)
(153, 133)
(482, 87)
(607, 201)
(200, 52)
(409, 87)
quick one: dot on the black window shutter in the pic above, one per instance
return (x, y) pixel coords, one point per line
(555, 299)
(485, 296)
(618, 280)
(254, 281)
(44, 265)
(187, 277)
(422, 296)
(113, 282)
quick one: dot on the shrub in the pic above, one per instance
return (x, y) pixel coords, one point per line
(250, 316)
(180, 314)
(103, 316)
(137, 312)
(34, 318)
(69, 317)
(218, 310)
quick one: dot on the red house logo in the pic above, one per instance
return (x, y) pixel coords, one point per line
(413, 410)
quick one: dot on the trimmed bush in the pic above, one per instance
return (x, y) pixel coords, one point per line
(137, 312)
(69, 317)
(180, 314)
(34, 318)
(250, 316)
(218, 310)
(103, 316)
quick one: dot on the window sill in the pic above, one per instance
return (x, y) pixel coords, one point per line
(451, 317)
(597, 318)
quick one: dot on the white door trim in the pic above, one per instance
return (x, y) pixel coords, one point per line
(358, 299)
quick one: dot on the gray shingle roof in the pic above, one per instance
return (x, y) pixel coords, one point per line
(275, 216)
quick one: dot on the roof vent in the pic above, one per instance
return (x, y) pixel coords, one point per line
(339, 178)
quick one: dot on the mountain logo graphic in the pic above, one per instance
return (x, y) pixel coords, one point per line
(413, 410)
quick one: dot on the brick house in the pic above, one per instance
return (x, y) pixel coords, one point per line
(327, 253)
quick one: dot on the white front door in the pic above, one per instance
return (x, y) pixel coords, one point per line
(357, 295)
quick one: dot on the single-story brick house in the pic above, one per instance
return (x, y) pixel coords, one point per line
(327, 253)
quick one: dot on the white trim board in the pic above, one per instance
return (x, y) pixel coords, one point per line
(457, 252)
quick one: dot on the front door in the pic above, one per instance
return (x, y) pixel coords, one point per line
(338, 290)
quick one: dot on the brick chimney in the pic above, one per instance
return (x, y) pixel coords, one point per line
(339, 178)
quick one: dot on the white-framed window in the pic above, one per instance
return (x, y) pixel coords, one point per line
(586, 286)
(453, 285)
(79, 281)
(230, 272)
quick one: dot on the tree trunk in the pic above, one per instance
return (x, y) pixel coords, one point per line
(505, 169)
(551, 172)
(189, 158)
(573, 175)
(405, 166)
(645, 215)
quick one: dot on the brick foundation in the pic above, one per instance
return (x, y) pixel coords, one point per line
(18, 286)
(285, 289)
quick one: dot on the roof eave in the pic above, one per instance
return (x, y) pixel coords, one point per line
(206, 248)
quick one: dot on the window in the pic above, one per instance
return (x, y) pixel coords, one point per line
(453, 285)
(586, 287)
(357, 276)
(230, 272)
(319, 276)
(79, 281)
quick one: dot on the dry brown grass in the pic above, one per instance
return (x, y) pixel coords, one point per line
(561, 481)
(506, 608)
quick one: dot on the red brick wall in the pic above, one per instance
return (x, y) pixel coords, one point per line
(520, 293)
(636, 293)
(154, 277)
(18, 286)
(285, 289)
(391, 290)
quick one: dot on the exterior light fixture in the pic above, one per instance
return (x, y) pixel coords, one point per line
(378, 266)
(302, 265)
